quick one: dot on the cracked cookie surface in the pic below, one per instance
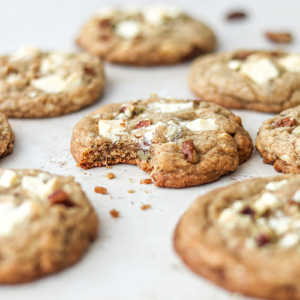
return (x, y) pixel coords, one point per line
(278, 141)
(267, 81)
(245, 237)
(36, 84)
(180, 143)
(47, 223)
(7, 138)
(148, 35)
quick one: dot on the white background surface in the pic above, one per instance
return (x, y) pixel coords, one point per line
(133, 257)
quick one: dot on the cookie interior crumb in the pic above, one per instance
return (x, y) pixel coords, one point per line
(100, 190)
(110, 175)
(146, 206)
(130, 191)
(146, 181)
(114, 213)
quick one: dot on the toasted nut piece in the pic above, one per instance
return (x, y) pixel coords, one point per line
(242, 55)
(144, 123)
(105, 22)
(285, 122)
(110, 175)
(60, 197)
(236, 15)
(100, 190)
(279, 37)
(146, 181)
(188, 149)
(141, 154)
(114, 213)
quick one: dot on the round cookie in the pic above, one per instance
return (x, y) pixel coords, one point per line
(35, 84)
(180, 143)
(267, 81)
(149, 35)
(46, 224)
(7, 138)
(278, 141)
(245, 237)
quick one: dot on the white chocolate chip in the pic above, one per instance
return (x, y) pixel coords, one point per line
(260, 71)
(289, 240)
(296, 130)
(280, 225)
(32, 94)
(173, 130)
(234, 64)
(173, 107)
(267, 200)
(110, 129)
(9, 178)
(25, 53)
(276, 185)
(150, 130)
(296, 196)
(54, 83)
(37, 186)
(128, 29)
(201, 124)
(11, 216)
(291, 63)
(53, 62)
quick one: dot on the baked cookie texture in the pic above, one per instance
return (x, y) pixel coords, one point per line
(267, 81)
(180, 143)
(245, 237)
(47, 223)
(149, 35)
(7, 138)
(35, 84)
(278, 141)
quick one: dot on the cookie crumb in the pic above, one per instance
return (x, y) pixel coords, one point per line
(130, 191)
(146, 206)
(114, 213)
(110, 197)
(130, 180)
(110, 175)
(279, 37)
(100, 190)
(84, 173)
(236, 15)
(146, 192)
(108, 167)
(146, 181)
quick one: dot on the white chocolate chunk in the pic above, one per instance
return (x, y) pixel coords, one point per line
(280, 225)
(201, 124)
(37, 186)
(296, 196)
(291, 63)
(11, 216)
(237, 206)
(296, 130)
(150, 130)
(230, 219)
(155, 15)
(128, 29)
(54, 83)
(234, 64)
(53, 62)
(9, 178)
(26, 52)
(267, 200)
(276, 185)
(173, 130)
(121, 116)
(289, 240)
(173, 107)
(111, 128)
(260, 71)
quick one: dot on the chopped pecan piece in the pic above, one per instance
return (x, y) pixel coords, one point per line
(285, 122)
(144, 123)
(188, 149)
(279, 37)
(236, 15)
(262, 239)
(100, 190)
(146, 181)
(248, 211)
(105, 22)
(114, 213)
(89, 71)
(60, 197)
(242, 54)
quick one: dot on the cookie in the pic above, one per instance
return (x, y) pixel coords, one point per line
(278, 141)
(150, 35)
(267, 81)
(245, 237)
(7, 137)
(35, 84)
(47, 223)
(180, 143)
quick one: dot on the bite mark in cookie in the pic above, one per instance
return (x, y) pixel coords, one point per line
(180, 143)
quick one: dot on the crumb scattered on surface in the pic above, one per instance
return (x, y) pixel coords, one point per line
(146, 192)
(130, 191)
(100, 190)
(114, 213)
(146, 206)
(84, 173)
(110, 175)
(108, 167)
(236, 15)
(130, 180)
(110, 197)
(132, 203)
(146, 181)
(279, 37)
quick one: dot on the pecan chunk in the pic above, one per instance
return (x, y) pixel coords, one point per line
(144, 123)
(188, 149)
(285, 122)
(236, 15)
(279, 37)
(60, 197)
